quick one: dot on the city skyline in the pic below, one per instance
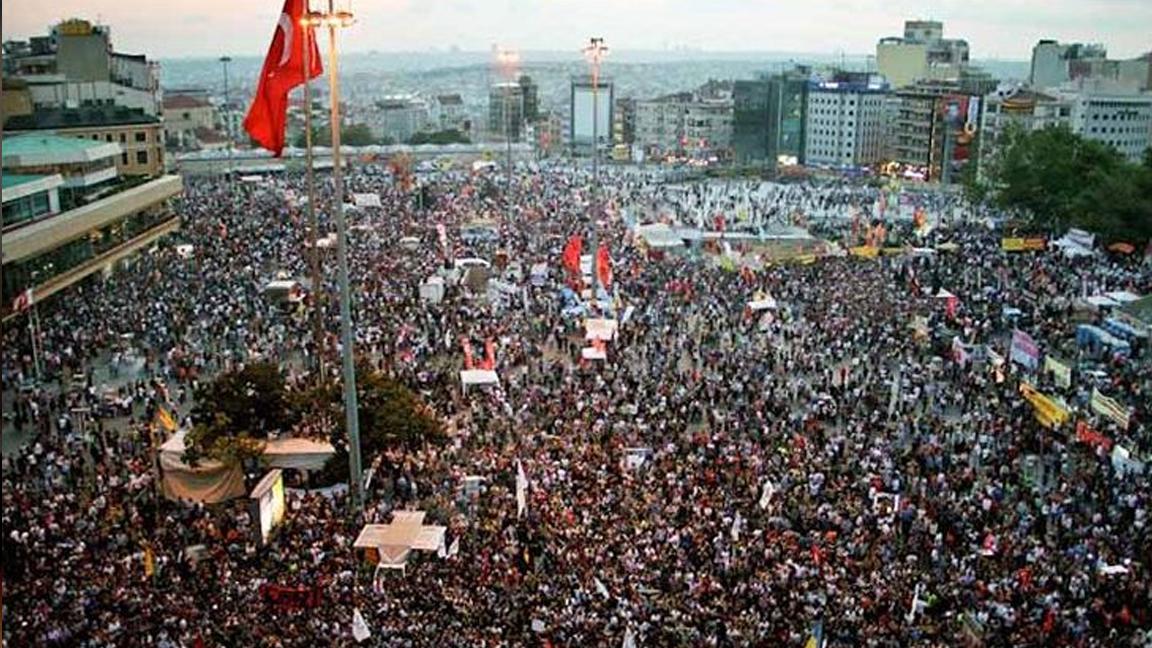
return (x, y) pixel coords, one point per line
(1004, 29)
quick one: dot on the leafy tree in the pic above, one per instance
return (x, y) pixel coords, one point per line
(237, 410)
(391, 416)
(449, 136)
(1061, 179)
(350, 135)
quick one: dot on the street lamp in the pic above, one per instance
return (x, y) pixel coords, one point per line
(224, 61)
(506, 61)
(594, 53)
(332, 19)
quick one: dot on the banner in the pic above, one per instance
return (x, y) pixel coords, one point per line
(1024, 350)
(1085, 434)
(865, 251)
(1061, 373)
(291, 598)
(1048, 412)
(1110, 409)
(1023, 244)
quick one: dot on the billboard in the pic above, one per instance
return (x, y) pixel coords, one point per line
(267, 503)
(961, 121)
(582, 102)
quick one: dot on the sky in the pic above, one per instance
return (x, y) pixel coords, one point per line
(1001, 29)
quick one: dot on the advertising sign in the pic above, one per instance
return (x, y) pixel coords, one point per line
(267, 503)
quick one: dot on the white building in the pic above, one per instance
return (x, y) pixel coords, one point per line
(1054, 63)
(845, 124)
(1108, 113)
(399, 117)
(684, 123)
(1018, 107)
(922, 53)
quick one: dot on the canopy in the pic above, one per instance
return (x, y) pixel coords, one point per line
(470, 377)
(209, 482)
(298, 454)
(600, 329)
(390, 544)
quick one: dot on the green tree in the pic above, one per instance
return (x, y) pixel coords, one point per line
(391, 415)
(237, 410)
(449, 136)
(350, 135)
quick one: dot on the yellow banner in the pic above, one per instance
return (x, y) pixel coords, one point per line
(1022, 244)
(1048, 412)
(1061, 373)
(865, 251)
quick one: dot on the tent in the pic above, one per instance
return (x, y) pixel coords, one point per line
(208, 482)
(389, 545)
(298, 454)
(432, 290)
(478, 377)
(600, 329)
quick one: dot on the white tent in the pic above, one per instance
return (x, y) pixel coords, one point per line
(298, 454)
(592, 353)
(366, 200)
(432, 290)
(209, 481)
(766, 302)
(478, 377)
(1122, 296)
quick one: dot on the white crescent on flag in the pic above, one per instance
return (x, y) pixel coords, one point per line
(285, 25)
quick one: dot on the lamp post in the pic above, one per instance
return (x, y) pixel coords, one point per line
(594, 53)
(224, 61)
(333, 19)
(506, 60)
(313, 224)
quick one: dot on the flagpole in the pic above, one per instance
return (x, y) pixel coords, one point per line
(313, 226)
(343, 19)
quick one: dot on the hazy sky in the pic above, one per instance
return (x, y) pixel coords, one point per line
(993, 28)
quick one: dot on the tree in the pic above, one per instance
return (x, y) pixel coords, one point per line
(392, 416)
(237, 410)
(1061, 179)
(449, 136)
(350, 135)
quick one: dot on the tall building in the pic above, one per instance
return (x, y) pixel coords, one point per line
(846, 121)
(583, 120)
(768, 118)
(1111, 113)
(69, 214)
(449, 113)
(76, 66)
(530, 97)
(922, 53)
(521, 101)
(1054, 63)
(398, 117)
(934, 129)
(140, 135)
(1018, 107)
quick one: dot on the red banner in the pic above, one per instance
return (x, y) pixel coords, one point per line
(1085, 434)
(291, 598)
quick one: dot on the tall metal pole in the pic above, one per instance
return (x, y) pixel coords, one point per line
(225, 60)
(508, 140)
(595, 53)
(313, 224)
(351, 415)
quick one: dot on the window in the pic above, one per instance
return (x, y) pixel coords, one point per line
(141, 136)
(124, 158)
(123, 138)
(187, 115)
(141, 157)
(108, 137)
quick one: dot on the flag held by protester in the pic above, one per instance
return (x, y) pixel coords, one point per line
(360, 629)
(283, 70)
(521, 490)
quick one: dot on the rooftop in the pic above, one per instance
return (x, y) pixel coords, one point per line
(16, 179)
(79, 118)
(177, 102)
(36, 149)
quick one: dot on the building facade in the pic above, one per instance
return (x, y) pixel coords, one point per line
(1053, 63)
(846, 121)
(52, 241)
(398, 118)
(1021, 108)
(768, 118)
(449, 113)
(922, 53)
(934, 129)
(184, 116)
(1107, 113)
(140, 136)
(591, 109)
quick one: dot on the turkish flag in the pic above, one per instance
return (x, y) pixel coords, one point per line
(571, 256)
(283, 70)
(604, 267)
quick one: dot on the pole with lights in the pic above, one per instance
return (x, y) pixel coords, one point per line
(224, 61)
(594, 53)
(333, 19)
(506, 60)
(318, 292)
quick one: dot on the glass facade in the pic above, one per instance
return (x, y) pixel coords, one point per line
(26, 208)
(34, 271)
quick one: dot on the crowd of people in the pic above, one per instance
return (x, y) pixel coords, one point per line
(727, 477)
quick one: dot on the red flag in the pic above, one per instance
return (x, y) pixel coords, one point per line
(950, 305)
(467, 344)
(23, 301)
(604, 267)
(571, 256)
(489, 355)
(283, 70)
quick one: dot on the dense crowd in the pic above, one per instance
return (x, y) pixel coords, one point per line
(821, 464)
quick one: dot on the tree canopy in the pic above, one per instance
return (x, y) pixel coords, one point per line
(237, 410)
(350, 135)
(449, 136)
(1062, 180)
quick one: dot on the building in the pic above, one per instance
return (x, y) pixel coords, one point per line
(521, 101)
(1111, 113)
(184, 116)
(768, 118)
(660, 123)
(69, 214)
(624, 128)
(922, 53)
(708, 128)
(550, 131)
(140, 136)
(584, 96)
(846, 121)
(1053, 63)
(398, 118)
(1023, 108)
(934, 129)
(449, 113)
(76, 66)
